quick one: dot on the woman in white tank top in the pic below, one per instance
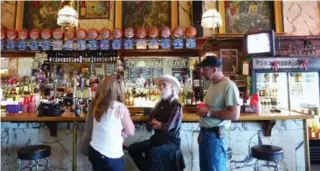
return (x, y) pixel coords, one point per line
(111, 122)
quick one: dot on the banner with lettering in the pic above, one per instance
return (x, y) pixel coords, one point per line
(286, 63)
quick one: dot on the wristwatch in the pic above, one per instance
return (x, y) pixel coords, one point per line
(209, 113)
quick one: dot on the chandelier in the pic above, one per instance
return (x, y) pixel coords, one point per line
(210, 19)
(67, 15)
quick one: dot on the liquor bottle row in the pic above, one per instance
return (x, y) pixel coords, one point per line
(19, 89)
(148, 97)
(82, 56)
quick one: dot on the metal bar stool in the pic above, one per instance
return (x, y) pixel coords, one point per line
(35, 153)
(268, 153)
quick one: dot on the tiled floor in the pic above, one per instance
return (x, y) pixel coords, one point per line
(315, 167)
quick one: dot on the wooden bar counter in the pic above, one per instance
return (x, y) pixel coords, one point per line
(187, 117)
(286, 129)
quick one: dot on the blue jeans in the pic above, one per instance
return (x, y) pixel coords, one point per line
(102, 163)
(212, 152)
(148, 157)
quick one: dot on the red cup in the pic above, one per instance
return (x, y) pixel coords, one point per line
(31, 99)
(201, 105)
(26, 100)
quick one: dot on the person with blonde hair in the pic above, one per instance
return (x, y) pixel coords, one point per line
(165, 120)
(108, 121)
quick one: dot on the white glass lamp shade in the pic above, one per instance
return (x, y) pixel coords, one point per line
(211, 19)
(68, 16)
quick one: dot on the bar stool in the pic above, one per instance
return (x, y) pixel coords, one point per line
(268, 153)
(34, 153)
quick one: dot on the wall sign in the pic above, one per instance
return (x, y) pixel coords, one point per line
(285, 63)
(159, 63)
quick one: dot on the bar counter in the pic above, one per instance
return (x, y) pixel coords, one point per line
(286, 129)
(187, 117)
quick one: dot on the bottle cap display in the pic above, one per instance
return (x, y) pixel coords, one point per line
(153, 32)
(23, 34)
(129, 32)
(105, 33)
(46, 34)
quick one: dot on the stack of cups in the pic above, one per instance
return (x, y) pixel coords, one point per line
(32, 105)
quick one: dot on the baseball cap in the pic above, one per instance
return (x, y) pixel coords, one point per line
(210, 61)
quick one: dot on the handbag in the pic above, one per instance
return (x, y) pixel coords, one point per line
(49, 109)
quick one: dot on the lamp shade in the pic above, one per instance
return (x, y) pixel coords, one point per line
(211, 19)
(67, 16)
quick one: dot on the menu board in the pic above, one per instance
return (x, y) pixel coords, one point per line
(229, 58)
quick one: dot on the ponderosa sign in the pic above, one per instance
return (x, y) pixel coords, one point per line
(285, 62)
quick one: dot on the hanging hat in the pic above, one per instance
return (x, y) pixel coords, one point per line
(171, 79)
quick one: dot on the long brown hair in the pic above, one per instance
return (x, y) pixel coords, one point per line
(111, 88)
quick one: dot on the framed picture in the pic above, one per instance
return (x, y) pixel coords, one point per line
(241, 16)
(8, 10)
(94, 9)
(38, 14)
(229, 58)
(146, 14)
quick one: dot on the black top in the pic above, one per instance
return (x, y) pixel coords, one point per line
(170, 115)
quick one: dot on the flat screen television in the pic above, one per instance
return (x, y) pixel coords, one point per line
(260, 43)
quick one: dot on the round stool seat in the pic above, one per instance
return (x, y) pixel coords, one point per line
(267, 152)
(229, 153)
(34, 152)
